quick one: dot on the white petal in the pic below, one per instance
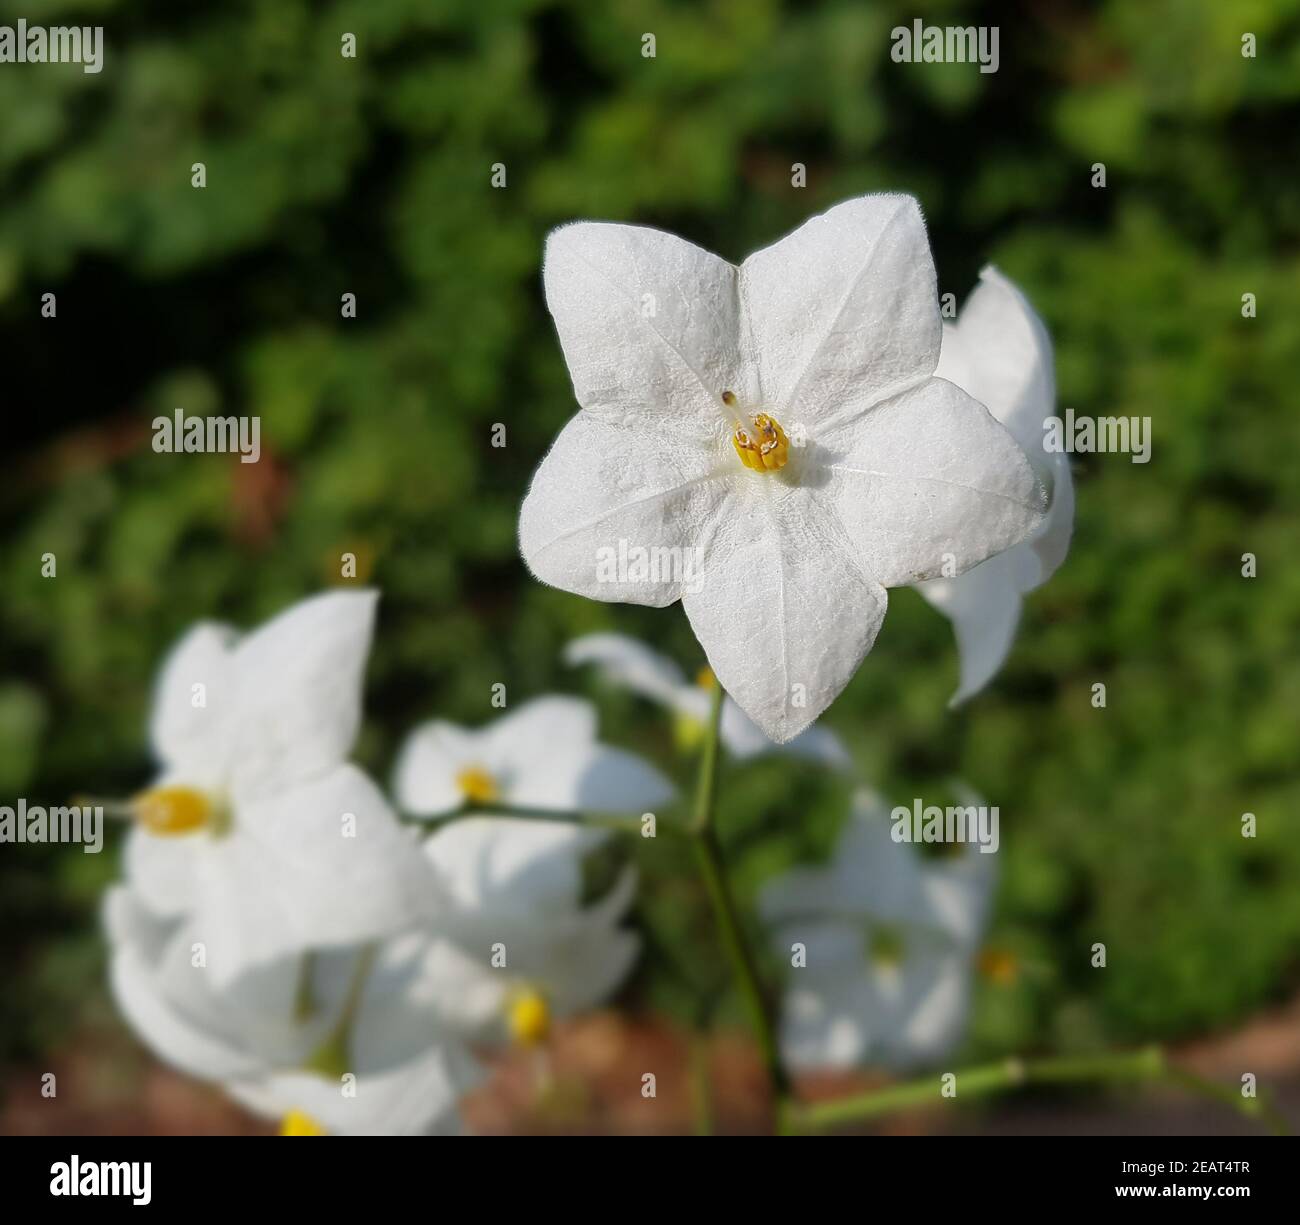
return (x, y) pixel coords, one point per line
(299, 698)
(188, 1039)
(428, 763)
(984, 607)
(418, 1097)
(163, 870)
(742, 737)
(615, 513)
(823, 1026)
(999, 352)
(647, 322)
(785, 613)
(193, 740)
(633, 665)
(510, 865)
(293, 876)
(604, 779)
(468, 992)
(535, 736)
(930, 1015)
(928, 478)
(1052, 541)
(844, 311)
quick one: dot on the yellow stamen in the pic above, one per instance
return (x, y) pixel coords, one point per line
(885, 947)
(762, 447)
(173, 810)
(529, 1018)
(299, 1123)
(705, 679)
(477, 785)
(999, 966)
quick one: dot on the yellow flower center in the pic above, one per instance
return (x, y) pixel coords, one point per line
(174, 810)
(885, 947)
(705, 679)
(477, 785)
(298, 1123)
(761, 444)
(529, 1017)
(999, 966)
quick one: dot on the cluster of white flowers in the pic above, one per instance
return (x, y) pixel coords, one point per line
(282, 932)
(279, 930)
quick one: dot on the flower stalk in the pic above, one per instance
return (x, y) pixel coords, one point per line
(726, 918)
(1145, 1066)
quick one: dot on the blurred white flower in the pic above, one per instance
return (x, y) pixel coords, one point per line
(625, 662)
(780, 421)
(337, 1041)
(257, 828)
(890, 940)
(998, 350)
(543, 755)
(518, 947)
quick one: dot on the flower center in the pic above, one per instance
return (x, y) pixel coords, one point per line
(760, 442)
(999, 966)
(529, 1017)
(705, 679)
(299, 1123)
(177, 810)
(885, 947)
(477, 785)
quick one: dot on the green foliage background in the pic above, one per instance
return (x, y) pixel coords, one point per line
(329, 175)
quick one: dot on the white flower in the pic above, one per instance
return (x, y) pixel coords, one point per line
(999, 351)
(516, 882)
(330, 1041)
(889, 942)
(257, 828)
(631, 664)
(699, 382)
(543, 755)
(518, 947)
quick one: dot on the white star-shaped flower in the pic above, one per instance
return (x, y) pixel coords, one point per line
(625, 662)
(889, 942)
(543, 755)
(257, 827)
(779, 424)
(519, 947)
(999, 351)
(282, 1038)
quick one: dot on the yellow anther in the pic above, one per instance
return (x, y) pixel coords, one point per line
(762, 446)
(705, 679)
(173, 810)
(999, 966)
(299, 1123)
(529, 1018)
(477, 785)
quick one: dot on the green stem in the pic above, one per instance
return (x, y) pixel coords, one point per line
(1147, 1065)
(708, 856)
(701, 1097)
